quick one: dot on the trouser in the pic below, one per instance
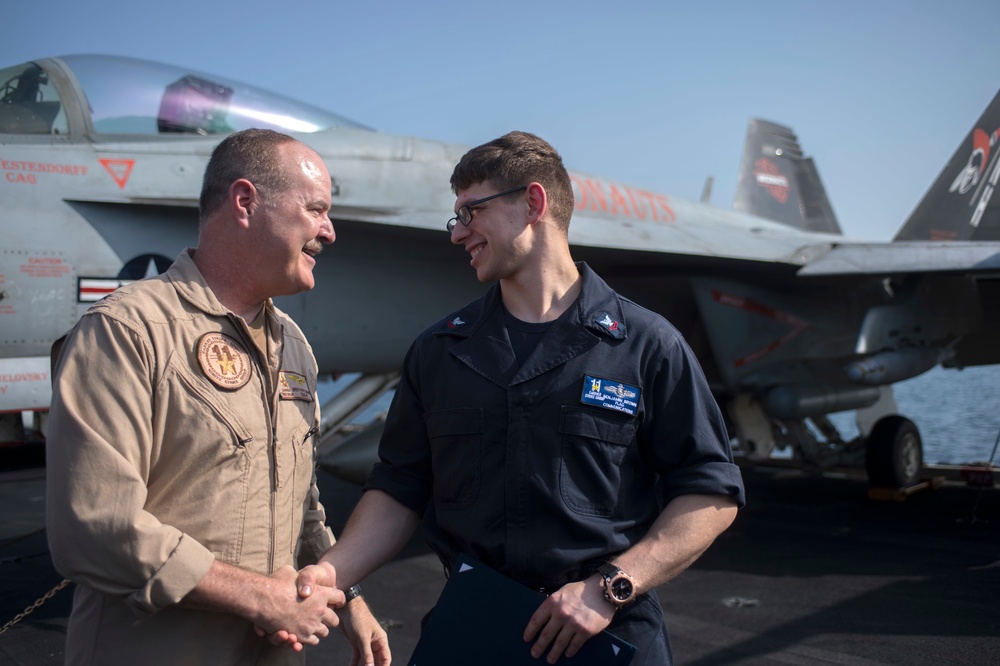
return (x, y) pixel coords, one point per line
(641, 624)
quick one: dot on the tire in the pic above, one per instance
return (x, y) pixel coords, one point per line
(895, 454)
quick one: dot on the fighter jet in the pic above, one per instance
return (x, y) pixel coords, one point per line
(102, 158)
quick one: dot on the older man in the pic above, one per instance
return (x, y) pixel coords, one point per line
(181, 486)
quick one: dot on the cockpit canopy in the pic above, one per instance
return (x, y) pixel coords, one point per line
(129, 96)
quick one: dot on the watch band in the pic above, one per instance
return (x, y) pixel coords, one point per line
(608, 570)
(352, 592)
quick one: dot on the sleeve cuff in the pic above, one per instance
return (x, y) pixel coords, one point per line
(180, 574)
(715, 478)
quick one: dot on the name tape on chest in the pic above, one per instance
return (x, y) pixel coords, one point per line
(610, 395)
(293, 386)
(224, 361)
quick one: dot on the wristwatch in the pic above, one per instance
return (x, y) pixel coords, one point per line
(619, 588)
(352, 592)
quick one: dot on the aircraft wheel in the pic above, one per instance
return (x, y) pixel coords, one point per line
(895, 454)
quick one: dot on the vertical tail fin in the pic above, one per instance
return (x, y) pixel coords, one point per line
(776, 182)
(960, 204)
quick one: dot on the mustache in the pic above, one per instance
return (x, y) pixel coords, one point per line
(314, 247)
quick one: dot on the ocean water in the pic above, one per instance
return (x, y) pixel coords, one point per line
(956, 411)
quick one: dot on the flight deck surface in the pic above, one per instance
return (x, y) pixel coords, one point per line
(811, 572)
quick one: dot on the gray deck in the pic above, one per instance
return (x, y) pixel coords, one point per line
(812, 572)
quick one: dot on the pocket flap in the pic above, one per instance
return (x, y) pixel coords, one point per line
(605, 427)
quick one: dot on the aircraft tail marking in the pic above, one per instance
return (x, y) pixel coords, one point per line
(776, 182)
(960, 205)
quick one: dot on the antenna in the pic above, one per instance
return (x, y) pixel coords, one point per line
(706, 192)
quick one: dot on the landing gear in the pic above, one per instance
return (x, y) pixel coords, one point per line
(11, 429)
(895, 454)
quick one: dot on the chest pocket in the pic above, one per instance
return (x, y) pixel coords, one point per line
(592, 448)
(294, 430)
(456, 437)
(184, 400)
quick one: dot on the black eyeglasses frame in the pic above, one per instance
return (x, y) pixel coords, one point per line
(468, 208)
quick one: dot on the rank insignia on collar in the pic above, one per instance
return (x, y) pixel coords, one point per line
(612, 326)
(455, 323)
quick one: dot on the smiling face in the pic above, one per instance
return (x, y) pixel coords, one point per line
(493, 238)
(290, 227)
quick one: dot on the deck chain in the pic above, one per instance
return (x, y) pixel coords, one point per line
(38, 602)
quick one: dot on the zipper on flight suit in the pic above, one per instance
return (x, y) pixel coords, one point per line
(264, 371)
(273, 415)
(240, 432)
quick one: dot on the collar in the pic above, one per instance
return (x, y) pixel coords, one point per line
(598, 308)
(483, 345)
(190, 284)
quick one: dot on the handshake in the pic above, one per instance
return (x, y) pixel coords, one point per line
(301, 611)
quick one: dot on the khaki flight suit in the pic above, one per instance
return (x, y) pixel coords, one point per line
(171, 445)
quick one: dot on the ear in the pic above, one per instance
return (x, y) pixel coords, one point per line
(538, 202)
(243, 200)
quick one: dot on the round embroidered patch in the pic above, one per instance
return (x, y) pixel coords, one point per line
(224, 361)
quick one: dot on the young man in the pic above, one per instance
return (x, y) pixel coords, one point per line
(181, 482)
(552, 429)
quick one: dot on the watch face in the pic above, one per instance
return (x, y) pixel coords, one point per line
(621, 588)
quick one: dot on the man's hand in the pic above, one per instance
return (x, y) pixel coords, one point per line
(296, 619)
(369, 642)
(309, 578)
(315, 575)
(568, 618)
(272, 603)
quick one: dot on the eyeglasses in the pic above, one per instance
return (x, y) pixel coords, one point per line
(465, 212)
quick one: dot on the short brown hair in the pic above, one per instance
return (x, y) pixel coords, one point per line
(516, 159)
(251, 154)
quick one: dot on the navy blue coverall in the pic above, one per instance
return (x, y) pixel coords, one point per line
(546, 470)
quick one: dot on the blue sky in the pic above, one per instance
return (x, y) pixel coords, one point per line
(652, 94)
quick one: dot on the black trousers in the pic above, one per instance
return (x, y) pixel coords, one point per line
(641, 624)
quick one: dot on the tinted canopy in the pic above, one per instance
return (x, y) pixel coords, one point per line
(130, 96)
